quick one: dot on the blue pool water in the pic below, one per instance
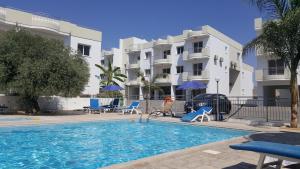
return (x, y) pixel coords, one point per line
(98, 144)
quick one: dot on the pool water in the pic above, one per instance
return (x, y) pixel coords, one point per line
(97, 144)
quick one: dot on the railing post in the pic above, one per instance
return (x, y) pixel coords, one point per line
(267, 115)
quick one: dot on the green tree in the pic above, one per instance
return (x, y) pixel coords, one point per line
(149, 85)
(280, 38)
(33, 66)
(111, 75)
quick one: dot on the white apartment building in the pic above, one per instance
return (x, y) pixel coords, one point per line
(272, 76)
(80, 39)
(202, 55)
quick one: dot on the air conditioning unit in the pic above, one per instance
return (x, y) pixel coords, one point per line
(216, 57)
(235, 65)
(221, 59)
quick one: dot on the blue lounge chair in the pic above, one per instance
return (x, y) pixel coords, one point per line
(275, 150)
(95, 105)
(132, 107)
(193, 116)
(113, 105)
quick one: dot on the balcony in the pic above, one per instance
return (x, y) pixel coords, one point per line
(2, 13)
(272, 74)
(189, 76)
(161, 43)
(134, 49)
(108, 53)
(133, 82)
(204, 54)
(134, 65)
(166, 61)
(197, 34)
(163, 80)
(45, 22)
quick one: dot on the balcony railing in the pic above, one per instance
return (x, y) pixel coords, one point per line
(166, 61)
(108, 53)
(272, 74)
(162, 42)
(195, 34)
(204, 53)
(163, 79)
(188, 76)
(134, 48)
(45, 22)
(135, 65)
(133, 82)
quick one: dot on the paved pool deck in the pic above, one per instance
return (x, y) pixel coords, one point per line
(209, 156)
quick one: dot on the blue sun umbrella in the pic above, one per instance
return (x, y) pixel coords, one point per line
(192, 85)
(112, 88)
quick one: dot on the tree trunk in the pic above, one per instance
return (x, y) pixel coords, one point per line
(294, 98)
(147, 105)
(31, 104)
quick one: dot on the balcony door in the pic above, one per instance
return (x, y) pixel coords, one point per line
(198, 47)
(276, 67)
(166, 53)
(197, 69)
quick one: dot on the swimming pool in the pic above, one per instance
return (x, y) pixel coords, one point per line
(97, 144)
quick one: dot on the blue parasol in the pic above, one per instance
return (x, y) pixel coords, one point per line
(112, 88)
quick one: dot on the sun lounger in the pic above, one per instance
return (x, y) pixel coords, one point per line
(132, 107)
(113, 105)
(95, 105)
(200, 113)
(274, 150)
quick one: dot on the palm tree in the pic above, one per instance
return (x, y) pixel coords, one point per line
(281, 37)
(111, 75)
(148, 86)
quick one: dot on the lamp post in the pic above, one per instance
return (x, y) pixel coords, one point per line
(217, 114)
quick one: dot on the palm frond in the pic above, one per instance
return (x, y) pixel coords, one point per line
(118, 78)
(116, 69)
(121, 75)
(101, 67)
(274, 8)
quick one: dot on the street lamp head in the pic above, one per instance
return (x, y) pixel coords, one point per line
(217, 79)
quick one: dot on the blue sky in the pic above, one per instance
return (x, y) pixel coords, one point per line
(150, 19)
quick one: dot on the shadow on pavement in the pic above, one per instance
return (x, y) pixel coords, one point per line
(292, 138)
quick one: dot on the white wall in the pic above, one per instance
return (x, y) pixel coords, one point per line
(52, 103)
(92, 88)
(217, 47)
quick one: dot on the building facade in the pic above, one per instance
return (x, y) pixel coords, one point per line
(79, 39)
(204, 55)
(272, 76)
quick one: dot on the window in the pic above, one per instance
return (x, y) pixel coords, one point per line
(102, 76)
(166, 72)
(102, 62)
(84, 49)
(147, 72)
(275, 67)
(180, 49)
(179, 69)
(139, 58)
(166, 53)
(238, 55)
(197, 69)
(148, 55)
(198, 47)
